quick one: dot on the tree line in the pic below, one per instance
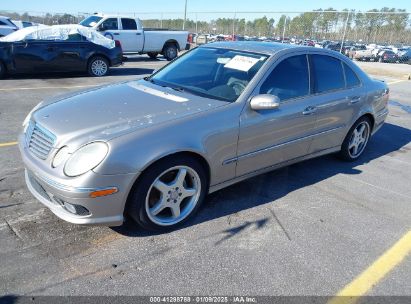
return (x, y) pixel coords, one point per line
(386, 25)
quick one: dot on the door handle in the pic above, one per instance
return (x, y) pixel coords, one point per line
(310, 110)
(355, 99)
(138, 34)
(117, 34)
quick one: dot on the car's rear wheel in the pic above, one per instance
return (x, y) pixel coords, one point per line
(168, 193)
(98, 66)
(356, 140)
(152, 55)
(170, 51)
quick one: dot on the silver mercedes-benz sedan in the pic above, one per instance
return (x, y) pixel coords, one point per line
(152, 149)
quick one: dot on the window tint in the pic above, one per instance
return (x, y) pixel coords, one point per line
(350, 77)
(111, 24)
(327, 72)
(128, 24)
(2, 23)
(289, 79)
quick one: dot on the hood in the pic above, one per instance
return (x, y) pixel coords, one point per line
(111, 111)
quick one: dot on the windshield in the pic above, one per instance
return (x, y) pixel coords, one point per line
(91, 21)
(211, 72)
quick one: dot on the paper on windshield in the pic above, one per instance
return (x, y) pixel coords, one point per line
(241, 63)
(59, 32)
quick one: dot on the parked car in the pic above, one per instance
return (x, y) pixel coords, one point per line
(23, 24)
(365, 55)
(138, 40)
(404, 56)
(6, 26)
(386, 56)
(59, 48)
(351, 51)
(223, 112)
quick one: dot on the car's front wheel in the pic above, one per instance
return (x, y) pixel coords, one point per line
(98, 66)
(168, 193)
(356, 140)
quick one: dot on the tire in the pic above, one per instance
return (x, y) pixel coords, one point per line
(171, 203)
(356, 138)
(170, 51)
(98, 66)
(2, 70)
(152, 55)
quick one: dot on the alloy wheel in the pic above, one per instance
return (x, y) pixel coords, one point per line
(173, 196)
(99, 67)
(359, 139)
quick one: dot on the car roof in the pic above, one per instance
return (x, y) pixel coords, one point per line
(267, 48)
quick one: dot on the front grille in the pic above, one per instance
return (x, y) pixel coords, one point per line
(39, 140)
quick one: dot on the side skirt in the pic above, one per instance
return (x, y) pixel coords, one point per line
(230, 182)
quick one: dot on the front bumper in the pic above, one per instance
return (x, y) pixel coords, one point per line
(52, 192)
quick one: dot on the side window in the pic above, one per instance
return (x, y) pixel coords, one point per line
(350, 77)
(2, 23)
(328, 73)
(128, 24)
(289, 79)
(110, 24)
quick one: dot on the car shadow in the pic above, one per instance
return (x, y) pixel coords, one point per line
(116, 71)
(142, 59)
(271, 186)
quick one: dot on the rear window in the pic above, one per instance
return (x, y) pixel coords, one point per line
(350, 77)
(128, 24)
(328, 73)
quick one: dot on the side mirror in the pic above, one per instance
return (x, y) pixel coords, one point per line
(101, 28)
(265, 102)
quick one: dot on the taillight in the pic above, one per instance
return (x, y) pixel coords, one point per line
(118, 44)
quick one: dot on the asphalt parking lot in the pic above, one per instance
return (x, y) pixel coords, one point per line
(308, 229)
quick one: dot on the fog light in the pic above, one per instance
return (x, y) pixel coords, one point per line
(76, 209)
(70, 208)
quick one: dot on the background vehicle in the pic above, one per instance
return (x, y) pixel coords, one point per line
(386, 56)
(365, 55)
(136, 39)
(6, 26)
(23, 24)
(202, 123)
(351, 51)
(60, 48)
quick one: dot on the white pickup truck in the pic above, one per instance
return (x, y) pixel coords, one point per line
(135, 39)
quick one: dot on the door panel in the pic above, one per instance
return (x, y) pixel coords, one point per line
(30, 57)
(274, 136)
(335, 103)
(67, 55)
(132, 39)
(269, 137)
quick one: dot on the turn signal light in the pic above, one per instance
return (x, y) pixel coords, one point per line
(103, 192)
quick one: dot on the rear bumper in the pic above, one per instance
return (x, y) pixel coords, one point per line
(379, 120)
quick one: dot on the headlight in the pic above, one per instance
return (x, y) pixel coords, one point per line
(28, 117)
(85, 159)
(60, 156)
